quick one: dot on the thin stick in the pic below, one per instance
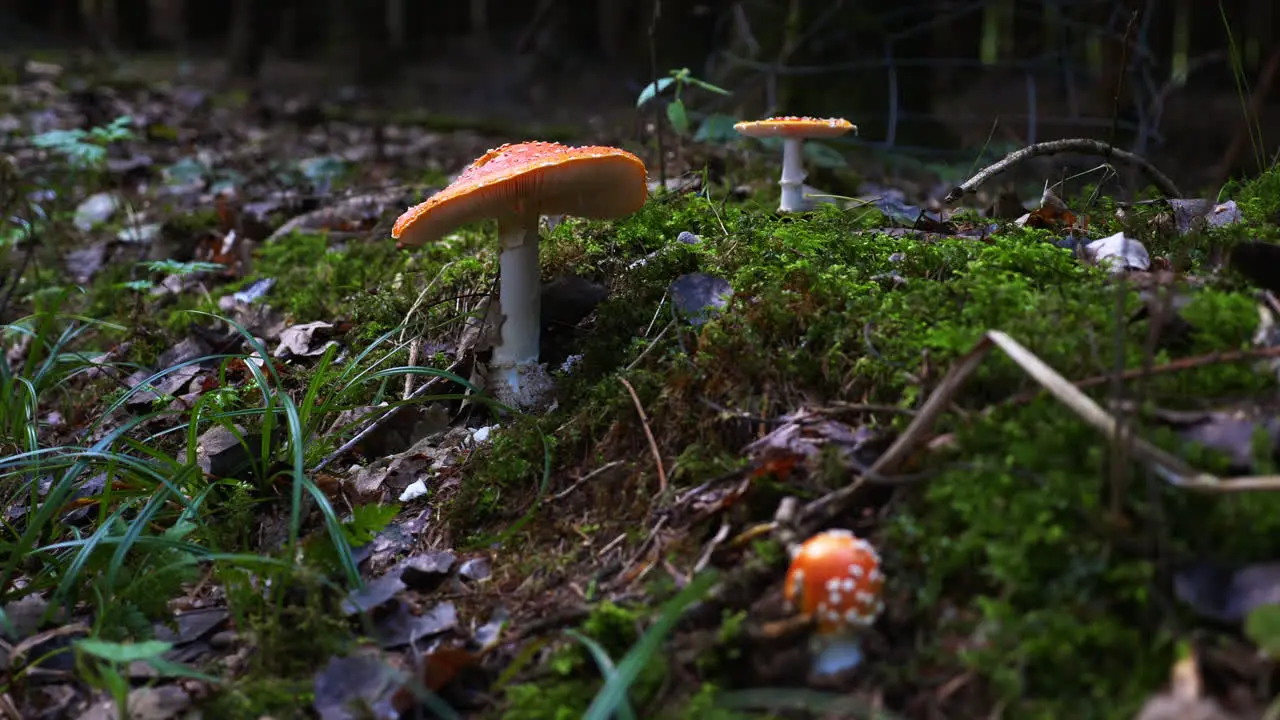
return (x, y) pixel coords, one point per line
(383, 418)
(1187, 363)
(413, 349)
(1057, 147)
(653, 444)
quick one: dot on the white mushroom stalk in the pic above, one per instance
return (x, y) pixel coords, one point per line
(520, 297)
(793, 176)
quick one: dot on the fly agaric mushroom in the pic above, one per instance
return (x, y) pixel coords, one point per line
(835, 579)
(516, 184)
(794, 131)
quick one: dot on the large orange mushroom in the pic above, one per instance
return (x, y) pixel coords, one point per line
(793, 131)
(517, 183)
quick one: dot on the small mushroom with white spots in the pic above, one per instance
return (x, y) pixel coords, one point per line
(835, 579)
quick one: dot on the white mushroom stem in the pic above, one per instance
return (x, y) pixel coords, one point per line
(835, 654)
(520, 296)
(793, 175)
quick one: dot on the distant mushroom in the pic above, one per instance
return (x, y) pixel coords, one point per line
(794, 131)
(516, 184)
(835, 579)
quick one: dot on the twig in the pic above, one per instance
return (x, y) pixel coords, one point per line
(331, 214)
(721, 535)
(382, 419)
(1057, 147)
(598, 471)
(413, 349)
(1189, 363)
(653, 444)
(652, 344)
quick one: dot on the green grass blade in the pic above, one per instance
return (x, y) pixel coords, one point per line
(614, 693)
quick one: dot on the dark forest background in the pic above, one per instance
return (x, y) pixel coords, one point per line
(1170, 79)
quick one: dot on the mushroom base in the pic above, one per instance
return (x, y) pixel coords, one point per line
(835, 654)
(525, 386)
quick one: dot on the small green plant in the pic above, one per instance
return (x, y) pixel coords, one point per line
(100, 664)
(677, 81)
(85, 149)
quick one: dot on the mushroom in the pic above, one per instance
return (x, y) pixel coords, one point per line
(793, 131)
(516, 184)
(835, 580)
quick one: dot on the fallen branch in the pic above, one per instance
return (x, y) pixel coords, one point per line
(1179, 365)
(1171, 468)
(1057, 147)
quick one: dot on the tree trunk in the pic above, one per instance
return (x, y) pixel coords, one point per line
(244, 55)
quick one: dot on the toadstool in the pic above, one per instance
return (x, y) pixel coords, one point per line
(835, 579)
(794, 131)
(516, 184)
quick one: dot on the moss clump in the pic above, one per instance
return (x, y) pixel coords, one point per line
(372, 284)
(261, 697)
(571, 677)
(1042, 549)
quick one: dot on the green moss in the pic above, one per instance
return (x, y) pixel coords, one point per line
(370, 283)
(572, 676)
(254, 698)
(1053, 584)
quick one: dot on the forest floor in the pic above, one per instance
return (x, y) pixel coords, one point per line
(242, 476)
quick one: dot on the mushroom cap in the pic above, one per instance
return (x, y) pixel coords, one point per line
(530, 178)
(792, 126)
(835, 577)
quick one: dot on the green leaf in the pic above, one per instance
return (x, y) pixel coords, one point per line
(823, 155)
(178, 670)
(1263, 628)
(123, 652)
(678, 117)
(707, 86)
(174, 267)
(367, 521)
(652, 89)
(718, 129)
(607, 668)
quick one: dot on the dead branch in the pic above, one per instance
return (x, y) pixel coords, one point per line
(1058, 147)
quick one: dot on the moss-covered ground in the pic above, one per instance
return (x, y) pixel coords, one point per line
(1030, 572)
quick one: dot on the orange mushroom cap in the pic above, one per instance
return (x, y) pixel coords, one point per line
(792, 126)
(531, 178)
(835, 577)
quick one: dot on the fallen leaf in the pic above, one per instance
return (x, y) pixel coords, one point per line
(359, 687)
(400, 627)
(304, 340)
(1119, 252)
